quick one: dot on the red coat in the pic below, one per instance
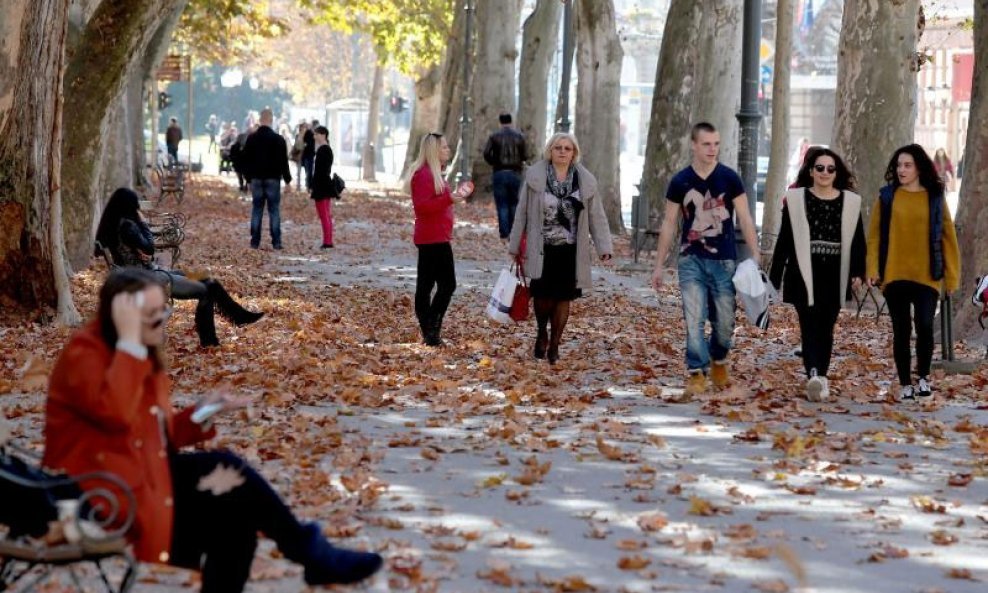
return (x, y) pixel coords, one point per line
(433, 212)
(109, 411)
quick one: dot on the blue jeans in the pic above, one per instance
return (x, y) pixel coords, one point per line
(266, 191)
(708, 292)
(506, 185)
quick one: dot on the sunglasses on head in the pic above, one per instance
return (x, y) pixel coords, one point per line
(827, 168)
(435, 135)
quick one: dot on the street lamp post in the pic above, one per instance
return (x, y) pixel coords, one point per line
(750, 115)
(465, 120)
(563, 123)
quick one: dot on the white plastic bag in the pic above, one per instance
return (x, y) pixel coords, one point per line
(499, 305)
(756, 292)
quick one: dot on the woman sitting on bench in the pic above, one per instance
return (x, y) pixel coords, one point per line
(123, 231)
(109, 410)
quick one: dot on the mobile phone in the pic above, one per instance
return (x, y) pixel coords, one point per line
(205, 412)
(465, 188)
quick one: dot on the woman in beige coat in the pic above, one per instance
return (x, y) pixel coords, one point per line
(559, 210)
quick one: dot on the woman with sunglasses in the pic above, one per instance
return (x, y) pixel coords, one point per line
(124, 233)
(109, 409)
(912, 255)
(821, 246)
(433, 202)
(559, 211)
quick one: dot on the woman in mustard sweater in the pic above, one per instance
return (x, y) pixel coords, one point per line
(913, 256)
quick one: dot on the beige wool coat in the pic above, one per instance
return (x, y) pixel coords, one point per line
(528, 221)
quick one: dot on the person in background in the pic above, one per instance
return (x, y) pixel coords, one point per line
(212, 128)
(266, 165)
(505, 152)
(323, 190)
(298, 148)
(124, 233)
(821, 247)
(560, 210)
(945, 168)
(173, 136)
(913, 255)
(433, 202)
(309, 152)
(109, 409)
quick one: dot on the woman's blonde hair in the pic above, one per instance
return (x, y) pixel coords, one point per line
(547, 153)
(428, 155)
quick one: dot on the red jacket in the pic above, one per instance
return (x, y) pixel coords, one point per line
(433, 212)
(108, 411)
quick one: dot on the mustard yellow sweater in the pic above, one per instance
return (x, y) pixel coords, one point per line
(909, 243)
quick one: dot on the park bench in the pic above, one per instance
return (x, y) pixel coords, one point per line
(168, 181)
(28, 505)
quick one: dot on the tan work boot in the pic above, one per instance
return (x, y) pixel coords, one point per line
(695, 384)
(719, 374)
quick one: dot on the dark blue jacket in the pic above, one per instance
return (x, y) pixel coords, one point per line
(885, 197)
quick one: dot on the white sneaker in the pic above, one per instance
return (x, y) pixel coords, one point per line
(924, 389)
(906, 392)
(825, 392)
(815, 388)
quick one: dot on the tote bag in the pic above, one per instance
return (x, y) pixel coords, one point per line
(499, 305)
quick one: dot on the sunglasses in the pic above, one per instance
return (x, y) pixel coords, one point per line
(156, 323)
(828, 168)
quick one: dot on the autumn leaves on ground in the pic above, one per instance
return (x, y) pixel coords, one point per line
(477, 468)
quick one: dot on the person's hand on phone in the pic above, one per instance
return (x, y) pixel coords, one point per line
(125, 309)
(220, 401)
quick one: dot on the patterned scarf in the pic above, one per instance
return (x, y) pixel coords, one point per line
(560, 189)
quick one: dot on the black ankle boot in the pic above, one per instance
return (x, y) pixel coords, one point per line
(325, 564)
(229, 308)
(552, 355)
(205, 324)
(433, 337)
(541, 343)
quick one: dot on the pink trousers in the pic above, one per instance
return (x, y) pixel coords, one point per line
(325, 210)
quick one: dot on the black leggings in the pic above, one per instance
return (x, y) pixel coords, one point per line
(903, 298)
(217, 533)
(816, 330)
(435, 269)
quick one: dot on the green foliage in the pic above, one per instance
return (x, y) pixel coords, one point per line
(226, 31)
(411, 34)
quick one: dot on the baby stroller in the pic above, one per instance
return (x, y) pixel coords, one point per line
(226, 160)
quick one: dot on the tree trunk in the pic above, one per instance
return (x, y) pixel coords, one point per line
(876, 88)
(538, 46)
(598, 101)
(32, 259)
(453, 86)
(369, 156)
(719, 73)
(493, 91)
(972, 208)
(110, 47)
(425, 112)
(686, 76)
(778, 164)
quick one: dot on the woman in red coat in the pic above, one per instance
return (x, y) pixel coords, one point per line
(108, 409)
(433, 203)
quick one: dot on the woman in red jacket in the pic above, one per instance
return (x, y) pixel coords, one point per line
(108, 410)
(433, 203)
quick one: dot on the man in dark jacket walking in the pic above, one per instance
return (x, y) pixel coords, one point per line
(265, 160)
(173, 135)
(506, 152)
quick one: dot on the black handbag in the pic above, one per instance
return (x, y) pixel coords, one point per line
(338, 186)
